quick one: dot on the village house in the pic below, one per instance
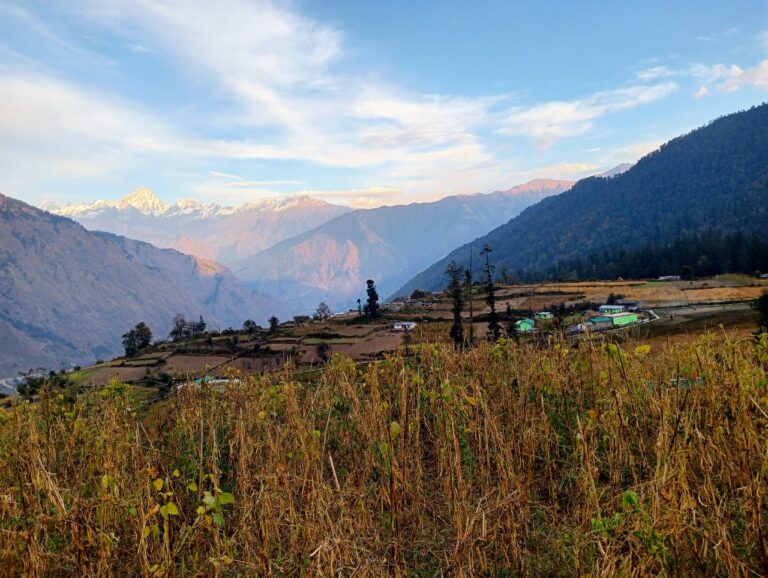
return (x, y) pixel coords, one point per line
(404, 325)
(544, 315)
(610, 320)
(621, 319)
(608, 309)
(525, 325)
(599, 322)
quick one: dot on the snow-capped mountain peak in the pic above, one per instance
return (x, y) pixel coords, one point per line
(143, 200)
(146, 202)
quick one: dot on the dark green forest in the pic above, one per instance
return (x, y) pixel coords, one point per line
(704, 254)
(714, 178)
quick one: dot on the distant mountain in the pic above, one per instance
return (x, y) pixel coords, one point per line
(67, 294)
(617, 170)
(389, 244)
(714, 178)
(223, 233)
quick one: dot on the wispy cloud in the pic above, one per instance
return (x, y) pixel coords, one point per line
(573, 171)
(629, 154)
(716, 36)
(226, 175)
(139, 49)
(656, 72)
(280, 80)
(756, 76)
(546, 123)
(729, 78)
(281, 70)
(274, 183)
(51, 129)
(251, 191)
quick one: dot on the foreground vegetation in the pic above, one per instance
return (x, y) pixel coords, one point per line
(506, 460)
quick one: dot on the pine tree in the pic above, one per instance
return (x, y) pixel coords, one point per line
(493, 318)
(454, 273)
(372, 304)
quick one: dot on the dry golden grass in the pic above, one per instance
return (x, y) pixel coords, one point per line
(506, 460)
(656, 294)
(724, 294)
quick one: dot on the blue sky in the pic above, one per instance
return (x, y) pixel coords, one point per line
(356, 102)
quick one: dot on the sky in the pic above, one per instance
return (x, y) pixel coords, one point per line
(359, 103)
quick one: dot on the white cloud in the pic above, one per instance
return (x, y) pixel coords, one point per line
(629, 154)
(757, 76)
(729, 78)
(281, 77)
(362, 198)
(701, 92)
(717, 36)
(369, 197)
(282, 71)
(572, 171)
(546, 123)
(714, 72)
(226, 175)
(139, 49)
(50, 129)
(656, 72)
(579, 170)
(246, 184)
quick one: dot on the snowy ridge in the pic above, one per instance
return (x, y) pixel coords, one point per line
(146, 202)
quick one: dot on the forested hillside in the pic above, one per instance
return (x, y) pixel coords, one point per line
(714, 178)
(705, 254)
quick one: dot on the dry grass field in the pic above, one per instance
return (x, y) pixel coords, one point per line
(508, 460)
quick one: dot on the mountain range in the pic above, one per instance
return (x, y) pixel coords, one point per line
(68, 294)
(388, 244)
(307, 250)
(212, 231)
(714, 178)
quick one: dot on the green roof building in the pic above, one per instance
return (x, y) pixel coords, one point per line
(607, 309)
(620, 319)
(525, 325)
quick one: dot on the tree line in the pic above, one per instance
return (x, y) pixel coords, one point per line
(460, 286)
(708, 253)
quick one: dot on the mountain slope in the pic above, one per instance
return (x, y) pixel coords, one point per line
(388, 244)
(67, 294)
(212, 231)
(713, 177)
